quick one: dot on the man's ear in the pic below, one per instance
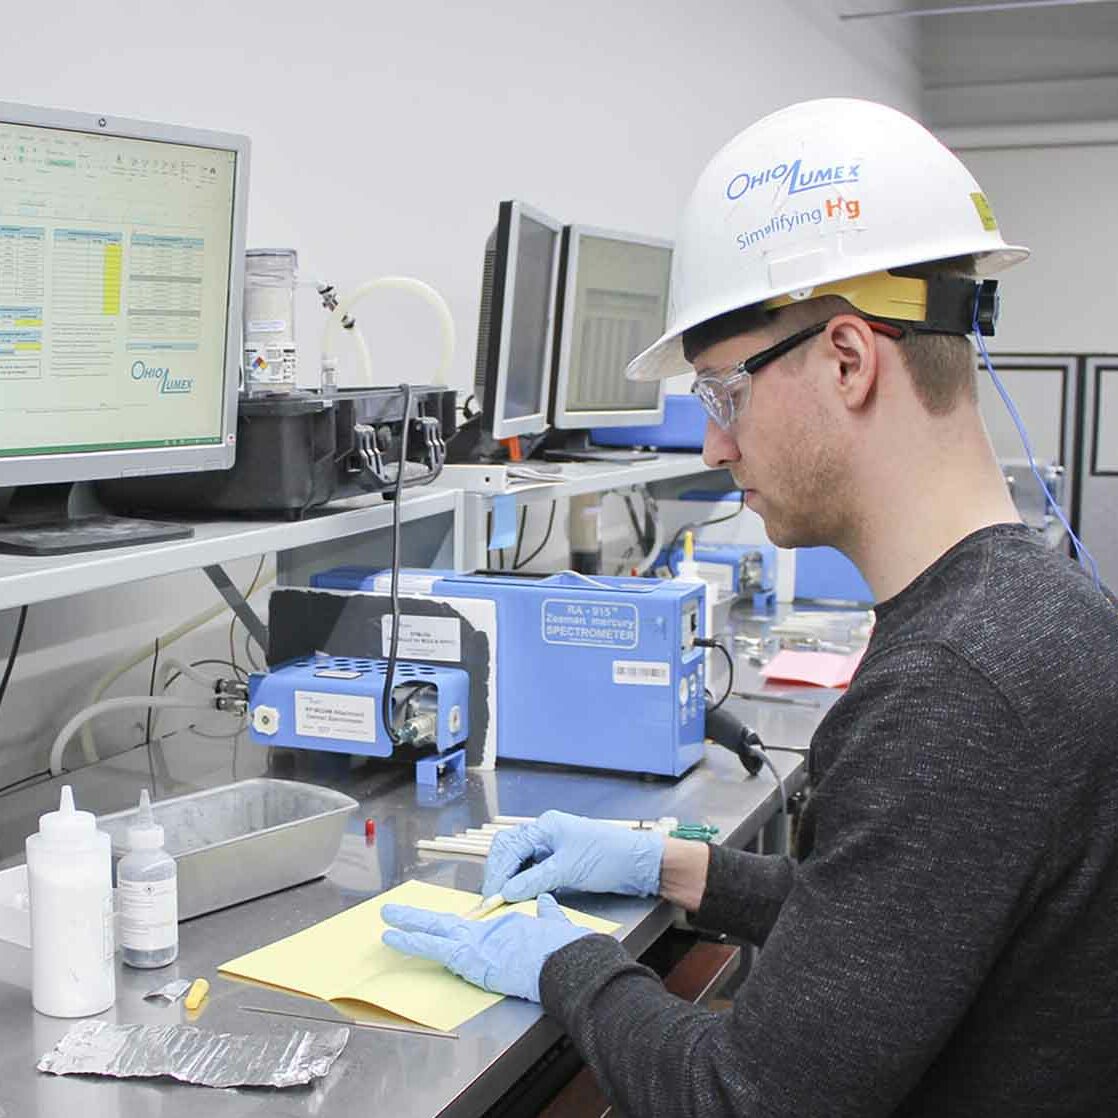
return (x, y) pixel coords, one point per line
(853, 348)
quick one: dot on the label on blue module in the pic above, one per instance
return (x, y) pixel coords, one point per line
(591, 624)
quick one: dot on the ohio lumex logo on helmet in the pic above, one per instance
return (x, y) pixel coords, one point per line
(795, 177)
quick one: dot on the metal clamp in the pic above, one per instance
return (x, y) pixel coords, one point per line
(369, 453)
(433, 440)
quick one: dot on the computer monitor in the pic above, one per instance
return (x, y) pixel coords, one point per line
(613, 303)
(121, 270)
(515, 325)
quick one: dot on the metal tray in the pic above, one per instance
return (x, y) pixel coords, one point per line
(243, 840)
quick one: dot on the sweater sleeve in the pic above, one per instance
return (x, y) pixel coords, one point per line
(744, 893)
(929, 845)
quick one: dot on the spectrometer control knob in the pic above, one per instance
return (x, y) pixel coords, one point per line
(265, 720)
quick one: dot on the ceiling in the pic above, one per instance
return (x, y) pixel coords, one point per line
(1026, 61)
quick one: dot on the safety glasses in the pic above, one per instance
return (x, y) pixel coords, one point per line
(724, 393)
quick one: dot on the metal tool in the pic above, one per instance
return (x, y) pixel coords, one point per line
(351, 1024)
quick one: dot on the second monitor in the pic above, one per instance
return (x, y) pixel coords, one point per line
(612, 304)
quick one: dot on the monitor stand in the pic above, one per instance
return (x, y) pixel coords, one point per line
(575, 446)
(37, 521)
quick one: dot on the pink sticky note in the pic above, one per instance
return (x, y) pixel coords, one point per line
(823, 669)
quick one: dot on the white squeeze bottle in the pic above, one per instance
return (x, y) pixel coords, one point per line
(69, 875)
(148, 887)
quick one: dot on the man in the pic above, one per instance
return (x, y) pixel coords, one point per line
(948, 943)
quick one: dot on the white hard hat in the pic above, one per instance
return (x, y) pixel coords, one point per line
(819, 192)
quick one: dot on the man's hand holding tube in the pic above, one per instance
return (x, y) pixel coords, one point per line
(561, 851)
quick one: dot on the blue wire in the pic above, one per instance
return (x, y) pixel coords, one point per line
(1086, 559)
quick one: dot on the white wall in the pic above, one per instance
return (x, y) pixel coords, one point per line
(1057, 201)
(384, 135)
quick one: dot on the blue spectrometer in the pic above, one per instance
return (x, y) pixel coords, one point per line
(333, 703)
(599, 672)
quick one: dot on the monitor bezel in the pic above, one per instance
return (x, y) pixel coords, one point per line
(562, 417)
(501, 426)
(44, 469)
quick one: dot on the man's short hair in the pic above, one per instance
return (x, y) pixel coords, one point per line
(942, 366)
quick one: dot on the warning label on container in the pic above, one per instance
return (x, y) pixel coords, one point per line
(592, 624)
(425, 638)
(338, 717)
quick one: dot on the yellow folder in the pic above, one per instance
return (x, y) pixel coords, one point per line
(342, 959)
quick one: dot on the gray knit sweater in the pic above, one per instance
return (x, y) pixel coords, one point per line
(948, 944)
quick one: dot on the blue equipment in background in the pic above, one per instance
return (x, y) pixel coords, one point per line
(825, 574)
(682, 428)
(597, 672)
(737, 570)
(333, 703)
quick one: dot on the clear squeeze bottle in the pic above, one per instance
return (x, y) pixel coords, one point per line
(147, 884)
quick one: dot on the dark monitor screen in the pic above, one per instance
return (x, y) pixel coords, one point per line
(515, 327)
(529, 340)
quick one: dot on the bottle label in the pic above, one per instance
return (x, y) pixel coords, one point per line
(149, 914)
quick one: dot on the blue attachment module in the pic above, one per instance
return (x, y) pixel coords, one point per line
(598, 672)
(333, 703)
(741, 568)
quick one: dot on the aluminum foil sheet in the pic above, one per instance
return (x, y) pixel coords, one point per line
(170, 993)
(194, 1055)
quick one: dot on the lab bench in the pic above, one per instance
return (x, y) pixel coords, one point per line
(379, 1072)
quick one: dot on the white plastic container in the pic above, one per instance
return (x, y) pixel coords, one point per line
(69, 879)
(147, 885)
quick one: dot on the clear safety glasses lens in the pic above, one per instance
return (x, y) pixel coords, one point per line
(722, 397)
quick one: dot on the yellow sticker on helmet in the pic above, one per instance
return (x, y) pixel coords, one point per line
(985, 213)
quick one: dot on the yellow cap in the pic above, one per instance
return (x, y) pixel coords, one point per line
(688, 546)
(197, 993)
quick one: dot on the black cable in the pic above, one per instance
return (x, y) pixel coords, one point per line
(151, 691)
(707, 642)
(543, 543)
(390, 671)
(695, 525)
(519, 538)
(26, 782)
(147, 718)
(13, 652)
(638, 531)
(249, 638)
(242, 675)
(196, 664)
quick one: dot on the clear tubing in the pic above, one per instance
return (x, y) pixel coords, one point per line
(399, 283)
(122, 703)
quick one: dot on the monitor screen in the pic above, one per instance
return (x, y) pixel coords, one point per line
(615, 299)
(537, 247)
(516, 321)
(119, 257)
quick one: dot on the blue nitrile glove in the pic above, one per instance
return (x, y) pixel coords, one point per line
(573, 853)
(504, 954)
